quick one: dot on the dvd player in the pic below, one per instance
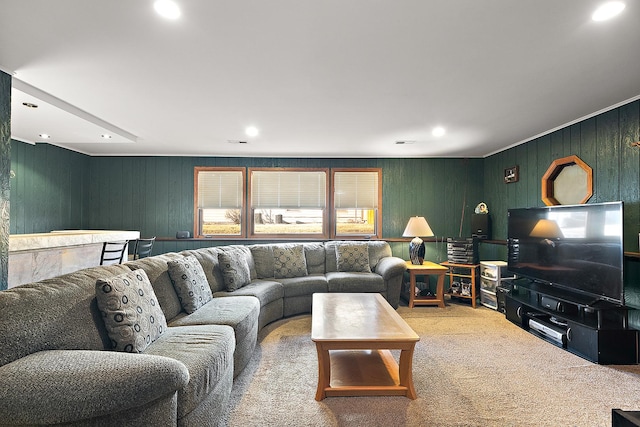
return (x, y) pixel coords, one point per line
(552, 332)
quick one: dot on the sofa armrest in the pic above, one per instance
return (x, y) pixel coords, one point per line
(60, 386)
(390, 266)
(392, 271)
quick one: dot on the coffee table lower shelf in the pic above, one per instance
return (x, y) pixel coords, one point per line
(363, 373)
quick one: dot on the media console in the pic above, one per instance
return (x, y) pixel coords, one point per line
(596, 330)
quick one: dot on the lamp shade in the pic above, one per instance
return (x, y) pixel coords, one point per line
(546, 229)
(417, 227)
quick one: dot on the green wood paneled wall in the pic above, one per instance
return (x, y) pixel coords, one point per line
(49, 189)
(604, 143)
(55, 189)
(5, 167)
(155, 194)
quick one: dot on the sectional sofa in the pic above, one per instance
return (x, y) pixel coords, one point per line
(158, 341)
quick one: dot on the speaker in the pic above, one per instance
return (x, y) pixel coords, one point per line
(481, 226)
(183, 235)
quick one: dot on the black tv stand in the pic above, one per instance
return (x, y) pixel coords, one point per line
(596, 330)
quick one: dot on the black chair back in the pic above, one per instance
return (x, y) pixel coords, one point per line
(143, 248)
(113, 252)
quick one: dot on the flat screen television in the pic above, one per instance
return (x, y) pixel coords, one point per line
(577, 248)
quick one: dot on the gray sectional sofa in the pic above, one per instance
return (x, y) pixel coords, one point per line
(190, 320)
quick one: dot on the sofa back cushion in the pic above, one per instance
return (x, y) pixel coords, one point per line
(158, 274)
(54, 314)
(263, 257)
(263, 260)
(315, 255)
(208, 259)
(377, 249)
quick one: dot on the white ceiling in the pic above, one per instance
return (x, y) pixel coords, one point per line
(325, 78)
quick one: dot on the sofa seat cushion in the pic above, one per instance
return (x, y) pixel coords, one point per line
(207, 353)
(81, 376)
(266, 291)
(240, 312)
(355, 282)
(306, 285)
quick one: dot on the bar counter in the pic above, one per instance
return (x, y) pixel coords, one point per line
(39, 256)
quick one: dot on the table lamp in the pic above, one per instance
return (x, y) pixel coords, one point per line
(416, 227)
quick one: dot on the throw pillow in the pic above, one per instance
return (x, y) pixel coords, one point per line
(289, 261)
(190, 282)
(131, 312)
(235, 270)
(353, 257)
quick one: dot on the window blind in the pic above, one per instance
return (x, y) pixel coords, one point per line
(288, 189)
(219, 189)
(355, 190)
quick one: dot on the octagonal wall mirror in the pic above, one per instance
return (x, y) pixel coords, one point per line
(568, 181)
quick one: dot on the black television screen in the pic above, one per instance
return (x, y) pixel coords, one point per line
(577, 247)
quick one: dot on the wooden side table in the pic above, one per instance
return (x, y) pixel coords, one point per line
(426, 269)
(469, 272)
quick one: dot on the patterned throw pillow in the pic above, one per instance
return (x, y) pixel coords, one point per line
(130, 310)
(190, 283)
(235, 270)
(353, 257)
(289, 261)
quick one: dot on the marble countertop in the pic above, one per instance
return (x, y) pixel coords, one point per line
(62, 238)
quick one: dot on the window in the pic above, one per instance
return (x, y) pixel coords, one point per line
(288, 202)
(357, 198)
(218, 202)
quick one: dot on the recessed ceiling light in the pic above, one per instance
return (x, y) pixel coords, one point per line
(608, 10)
(30, 105)
(252, 131)
(105, 136)
(44, 136)
(438, 131)
(167, 9)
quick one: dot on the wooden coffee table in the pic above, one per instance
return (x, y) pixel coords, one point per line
(354, 333)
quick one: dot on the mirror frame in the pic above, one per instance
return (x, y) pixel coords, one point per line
(554, 170)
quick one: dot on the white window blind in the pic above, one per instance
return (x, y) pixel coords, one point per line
(356, 190)
(288, 189)
(219, 189)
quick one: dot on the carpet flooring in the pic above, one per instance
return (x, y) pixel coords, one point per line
(471, 367)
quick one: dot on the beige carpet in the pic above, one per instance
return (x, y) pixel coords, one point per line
(472, 367)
